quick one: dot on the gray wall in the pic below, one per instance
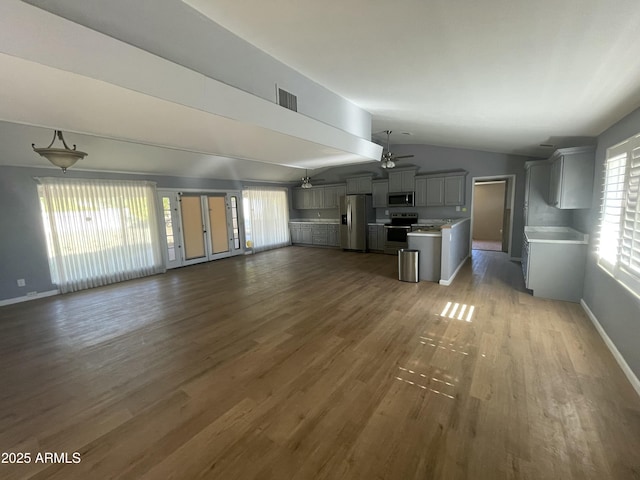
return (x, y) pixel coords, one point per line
(23, 252)
(617, 310)
(433, 159)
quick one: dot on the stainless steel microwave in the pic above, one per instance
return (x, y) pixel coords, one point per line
(401, 199)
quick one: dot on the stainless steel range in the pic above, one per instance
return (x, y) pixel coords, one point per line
(396, 231)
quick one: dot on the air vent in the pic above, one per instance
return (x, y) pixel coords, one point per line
(287, 100)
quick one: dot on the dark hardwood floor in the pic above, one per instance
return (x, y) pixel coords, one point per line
(310, 363)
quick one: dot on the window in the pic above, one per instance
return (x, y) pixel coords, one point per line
(267, 218)
(619, 233)
(99, 231)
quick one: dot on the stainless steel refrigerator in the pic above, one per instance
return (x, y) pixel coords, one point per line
(356, 211)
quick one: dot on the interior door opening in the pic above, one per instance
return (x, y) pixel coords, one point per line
(492, 213)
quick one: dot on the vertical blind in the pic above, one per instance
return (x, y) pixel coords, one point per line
(99, 231)
(619, 232)
(269, 217)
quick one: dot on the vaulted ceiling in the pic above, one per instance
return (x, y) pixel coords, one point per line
(495, 75)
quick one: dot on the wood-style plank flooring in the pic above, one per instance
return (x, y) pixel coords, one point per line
(310, 363)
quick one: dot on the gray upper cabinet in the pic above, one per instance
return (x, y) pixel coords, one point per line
(440, 190)
(421, 192)
(401, 181)
(454, 190)
(360, 184)
(571, 178)
(537, 210)
(435, 191)
(380, 190)
(318, 197)
(332, 195)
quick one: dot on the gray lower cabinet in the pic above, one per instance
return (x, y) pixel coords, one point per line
(309, 233)
(372, 238)
(333, 235)
(320, 234)
(376, 238)
(554, 270)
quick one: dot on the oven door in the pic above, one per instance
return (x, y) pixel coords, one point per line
(397, 234)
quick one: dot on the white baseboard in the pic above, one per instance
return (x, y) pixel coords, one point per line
(448, 281)
(26, 298)
(635, 382)
(515, 259)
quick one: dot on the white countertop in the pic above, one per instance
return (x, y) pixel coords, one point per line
(426, 233)
(317, 220)
(555, 235)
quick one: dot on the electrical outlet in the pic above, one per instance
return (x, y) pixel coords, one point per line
(21, 282)
(386, 212)
(458, 208)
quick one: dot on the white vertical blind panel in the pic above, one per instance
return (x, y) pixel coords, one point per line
(100, 231)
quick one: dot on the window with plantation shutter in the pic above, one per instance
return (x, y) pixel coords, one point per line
(619, 232)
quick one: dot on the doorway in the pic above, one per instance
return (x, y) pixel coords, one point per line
(200, 227)
(492, 213)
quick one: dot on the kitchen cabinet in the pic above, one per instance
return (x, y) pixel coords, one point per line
(372, 243)
(420, 197)
(554, 268)
(332, 195)
(571, 178)
(454, 190)
(380, 190)
(333, 235)
(536, 193)
(310, 233)
(320, 234)
(317, 197)
(360, 184)
(401, 181)
(435, 191)
(376, 238)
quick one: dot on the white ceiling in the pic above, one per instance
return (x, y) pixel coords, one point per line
(496, 75)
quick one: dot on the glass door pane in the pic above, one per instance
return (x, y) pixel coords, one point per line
(218, 225)
(192, 228)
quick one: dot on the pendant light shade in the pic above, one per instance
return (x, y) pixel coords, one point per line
(61, 157)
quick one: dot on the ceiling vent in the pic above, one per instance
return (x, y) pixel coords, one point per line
(287, 100)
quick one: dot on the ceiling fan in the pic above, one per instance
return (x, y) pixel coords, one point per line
(389, 159)
(306, 180)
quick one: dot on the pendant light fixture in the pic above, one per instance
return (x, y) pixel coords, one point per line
(306, 181)
(61, 157)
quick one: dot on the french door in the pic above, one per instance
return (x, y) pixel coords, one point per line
(200, 227)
